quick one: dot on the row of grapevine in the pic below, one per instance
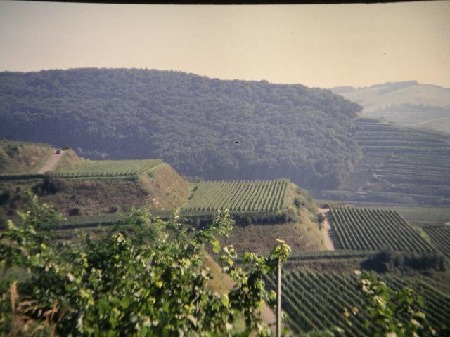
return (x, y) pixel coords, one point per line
(403, 166)
(20, 176)
(316, 301)
(326, 254)
(93, 174)
(104, 168)
(239, 196)
(87, 221)
(374, 229)
(440, 234)
(210, 212)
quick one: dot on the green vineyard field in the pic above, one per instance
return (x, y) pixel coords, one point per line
(242, 196)
(316, 301)
(106, 168)
(374, 229)
(440, 234)
(402, 166)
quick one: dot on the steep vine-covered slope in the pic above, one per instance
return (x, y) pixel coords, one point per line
(204, 127)
(399, 165)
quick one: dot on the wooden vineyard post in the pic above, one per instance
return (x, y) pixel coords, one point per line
(282, 252)
(278, 332)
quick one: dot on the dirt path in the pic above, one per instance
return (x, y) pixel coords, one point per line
(326, 229)
(51, 162)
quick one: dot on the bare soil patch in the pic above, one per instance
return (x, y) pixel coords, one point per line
(326, 229)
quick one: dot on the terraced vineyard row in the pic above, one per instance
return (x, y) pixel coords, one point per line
(316, 301)
(106, 168)
(374, 229)
(399, 165)
(440, 234)
(404, 156)
(241, 196)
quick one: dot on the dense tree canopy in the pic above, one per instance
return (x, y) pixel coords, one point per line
(203, 127)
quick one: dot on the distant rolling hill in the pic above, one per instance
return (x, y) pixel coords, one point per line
(408, 103)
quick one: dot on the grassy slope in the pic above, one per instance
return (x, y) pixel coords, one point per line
(21, 157)
(165, 189)
(69, 161)
(301, 235)
(17, 158)
(93, 197)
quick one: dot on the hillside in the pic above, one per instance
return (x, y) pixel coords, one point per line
(264, 211)
(318, 286)
(408, 104)
(316, 301)
(203, 127)
(237, 130)
(20, 157)
(93, 192)
(398, 166)
(81, 188)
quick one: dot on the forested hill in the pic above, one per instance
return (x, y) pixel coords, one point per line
(204, 127)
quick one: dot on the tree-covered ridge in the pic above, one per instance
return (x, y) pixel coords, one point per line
(203, 127)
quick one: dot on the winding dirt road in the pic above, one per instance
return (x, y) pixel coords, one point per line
(51, 162)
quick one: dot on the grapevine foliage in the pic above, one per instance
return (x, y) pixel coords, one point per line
(144, 279)
(393, 313)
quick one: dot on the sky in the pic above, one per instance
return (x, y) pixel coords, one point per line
(315, 45)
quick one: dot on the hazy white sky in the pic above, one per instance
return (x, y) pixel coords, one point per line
(315, 45)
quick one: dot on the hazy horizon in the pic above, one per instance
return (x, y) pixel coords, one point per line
(315, 45)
